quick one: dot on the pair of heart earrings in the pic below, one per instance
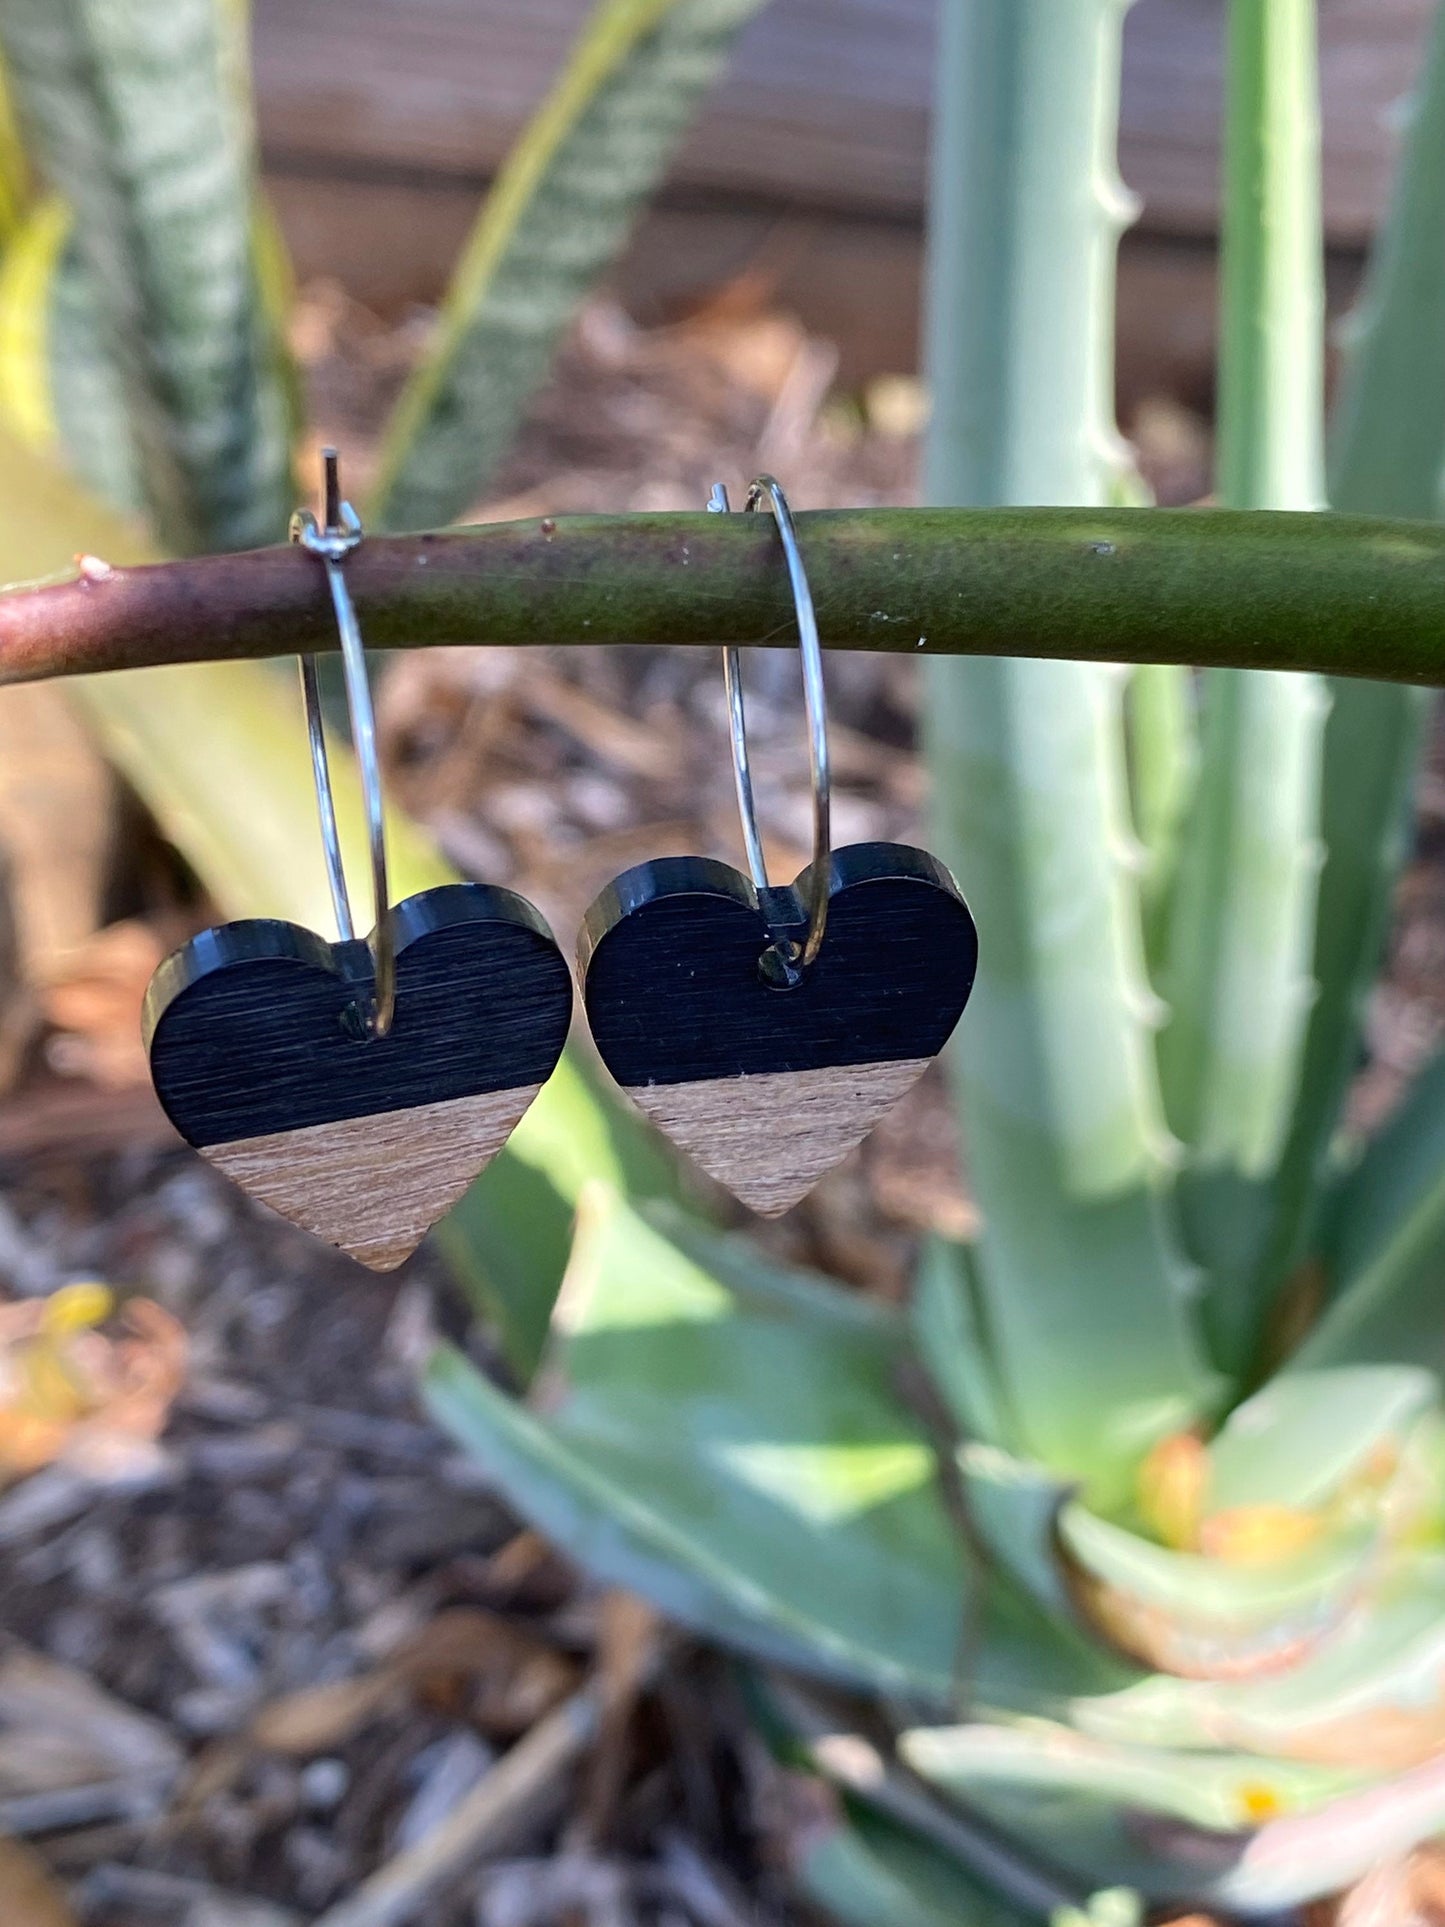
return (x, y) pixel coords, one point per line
(358, 1087)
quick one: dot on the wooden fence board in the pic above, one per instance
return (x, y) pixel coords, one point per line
(826, 106)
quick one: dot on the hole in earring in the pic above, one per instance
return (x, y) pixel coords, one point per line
(355, 1023)
(780, 965)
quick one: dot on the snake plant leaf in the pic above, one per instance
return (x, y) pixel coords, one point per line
(1371, 1697)
(866, 1871)
(557, 214)
(16, 186)
(1237, 955)
(57, 385)
(947, 1315)
(139, 118)
(1384, 1246)
(796, 1509)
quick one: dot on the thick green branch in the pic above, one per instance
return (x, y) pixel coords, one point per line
(1345, 594)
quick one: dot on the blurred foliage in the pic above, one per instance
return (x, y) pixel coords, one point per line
(1172, 1618)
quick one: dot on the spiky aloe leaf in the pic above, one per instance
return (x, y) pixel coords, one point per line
(1236, 958)
(1183, 1613)
(1383, 1246)
(1083, 1293)
(867, 1871)
(1224, 1793)
(795, 1510)
(1371, 1697)
(1309, 1486)
(1163, 755)
(1014, 1508)
(1082, 1288)
(1387, 456)
(947, 1314)
(139, 118)
(1255, 1834)
(1388, 437)
(559, 212)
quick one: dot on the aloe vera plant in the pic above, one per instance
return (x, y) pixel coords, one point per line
(1189, 1639)
(1174, 1619)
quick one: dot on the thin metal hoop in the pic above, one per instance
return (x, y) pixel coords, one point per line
(332, 542)
(817, 709)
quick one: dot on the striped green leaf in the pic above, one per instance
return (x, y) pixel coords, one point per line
(558, 213)
(138, 117)
(57, 385)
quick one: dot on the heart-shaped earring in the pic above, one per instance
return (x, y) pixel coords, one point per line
(358, 1087)
(763, 1050)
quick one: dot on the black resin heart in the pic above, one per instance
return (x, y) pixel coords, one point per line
(767, 1088)
(259, 1061)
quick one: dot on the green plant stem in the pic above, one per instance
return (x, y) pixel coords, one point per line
(1348, 595)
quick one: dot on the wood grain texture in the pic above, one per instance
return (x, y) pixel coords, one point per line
(825, 108)
(768, 1139)
(374, 1186)
(259, 1061)
(767, 1088)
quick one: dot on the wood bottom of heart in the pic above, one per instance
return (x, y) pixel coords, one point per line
(769, 1138)
(374, 1186)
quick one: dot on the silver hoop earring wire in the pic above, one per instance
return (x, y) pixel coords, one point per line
(817, 714)
(332, 541)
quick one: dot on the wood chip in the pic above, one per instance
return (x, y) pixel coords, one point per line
(31, 1898)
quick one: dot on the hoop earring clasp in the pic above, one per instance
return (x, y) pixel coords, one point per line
(333, 541)
(787, 959)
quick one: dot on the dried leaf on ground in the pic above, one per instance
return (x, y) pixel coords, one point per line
(85, 1384)
(468, 1663)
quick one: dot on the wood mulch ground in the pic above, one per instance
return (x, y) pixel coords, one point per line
(262, 1672)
